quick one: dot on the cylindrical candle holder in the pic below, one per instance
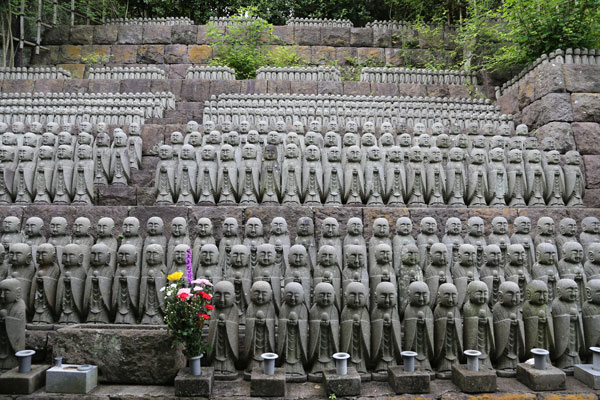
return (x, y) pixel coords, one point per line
(341, 363)
(472, 359)
(595, 358)
(540, 356)
(24, 360)
(58, 362)
(269, 363)
(408, 359)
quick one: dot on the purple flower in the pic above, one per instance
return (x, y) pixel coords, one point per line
(190, 270)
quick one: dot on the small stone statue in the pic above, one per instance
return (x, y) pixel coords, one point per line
(453, 239)
(418, 326)
(499, 236)
(476, 237)
(570, 267)
(590, 312)
(592, 265)
(545, 231)
(71, 285)
(516, 268)
(299, 270)
(22, 268)
(537, 318)
(153, 279)
(179, 235)
(328, 270)
(248, 176)
(240, 276)
(508, 330)
(324, 331)
(568, 326)
(574, 180)
(208, 267)
(409, 271)
(522, 227)
(464, 271)
(97, 297)
(11, 232)
(105, 231)
(546, 268)
(426, 238)
(448, 331)
(120, 165)
(355, 328)
(567, 230)
(43, 175)
(403, 237)
(478, 323)
(43, 286)
(385, 331)
(187, 176)
(305, 236)
(164, 180)
(204, 235)
(134, 146)
(353, 177)
(12, 322)
(382, 269)
(32, 233)
(260, 326)
(437, 272)
(292, 333)
(381, 235)
(125, 293)
(223, 334)
(492, 272)
(590, 232)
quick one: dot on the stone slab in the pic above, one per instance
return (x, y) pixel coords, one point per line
(586, 107)
(13, 382)
(587, 136)
(482, 381)
(262, 385)
(581, 78)
(342, 385)
(188, 385)
(588, 375)
(550, 379)
(67, 379)
(408, 382)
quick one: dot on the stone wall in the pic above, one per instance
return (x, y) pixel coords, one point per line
(563, 101)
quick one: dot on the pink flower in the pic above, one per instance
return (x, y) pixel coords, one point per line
(183, 293)
(197, 288)
(204, 282)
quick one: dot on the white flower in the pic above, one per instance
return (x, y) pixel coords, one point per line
(162, 289)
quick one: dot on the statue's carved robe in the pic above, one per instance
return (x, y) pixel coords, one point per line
(223, 337)
(62, 182)
(260, 333)
(164, 181)
(517, 184)
(461, 277)
(418, 335)
(590, 314)
(509, 335)
(120, 166)
(292, 339)
(478, 331)
(333, 183)
(24, 183)
(434, 277)
(12, 334)
(227, 182)
(395, 183)
(25, 275)
(69, 295)
(538, 334)
(97, 298)
(185, 182)
(83, 182)
(353, 183)
(152, 300)
(101, 156)
(574, 185)
(456, 183)
(448, 338)
(7, 174)
(385, 339)
(270, 182)
(568, 334)
(356, 338)
(497, 184)
(291, 180)
(493, 278)
(43, 181)
(207, 182)
(452, 243)
(324, 337)
(134, 147)
(125, 294)
(43, 294)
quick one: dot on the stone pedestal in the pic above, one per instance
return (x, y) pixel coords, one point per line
(67, 379)
(13, 382)
(408, 382)
(588, 375)
(482, 381)
(188, 385)
(342, 385)
(548, 379)
(262, 385)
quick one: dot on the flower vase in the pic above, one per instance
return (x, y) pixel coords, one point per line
(195, 365)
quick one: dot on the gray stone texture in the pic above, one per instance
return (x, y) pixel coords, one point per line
(184, 34)
(82, 34)
(285, 34)
(115, 195)
(157, 34)
(553, 107)
(69, 380)
(130, 34)
(562, 132)
(343, 385)
(13, 382)
(550, 379)
(586, 107)
(188, 385)
(307, 35)
(334, 36)
(262, 385)
(408, 382)
(592, 171)
(150, 54)
(587, 136)
(105, 34)
(482, 381)
(382, 37)
(56, 35)
(588, 375)
(361, 37)
(582, 78)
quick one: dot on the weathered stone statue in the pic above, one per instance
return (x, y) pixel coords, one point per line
(545, 231)
(382, 269)
(415, 178)
(385, 331)
(43, 175)
(206, 185)
(476, 237)
(125, 292)
(456, 178)
(574, 180)
(592, 265)
(120, 165)
(105, 231)
(324, 331)
(499, 236)
(515, 269)
(187, 176)
(537, 318)
(134, 145)
(517, 183)
(22, 268)
(223, 334)
(291, 175)
(448, 331)
(381, 235)
(437, 272)
(227, 176)
(43, 286)
(270, 177)
(12, 322)
(11, 231)
(32, 233)
(164, 180)
(97, 296)
(570, 267)
(179, 235)
(312, 176)
(568, 327)
(395, 177)
(260, 326)
(403, 237)
(329, 270)
(353, 176)
(153, 279)
(546, 268)
(408, 272)
(492, 272)
(567, 230)
(101, 156)
(355, 269)
(204, 235)
(71, 285)
(208, 267)
(590, 232)
(522, 227)
(355, 328)
(83, 177)
(435, 181)
(292, 334)
(464, 271)
(426, 238)
(23, 184)
(248, 176)
(418, 326)
(478, 323)
(453, 238)
(497, 178)
(590, 312)
(305, 236)
(508, 330)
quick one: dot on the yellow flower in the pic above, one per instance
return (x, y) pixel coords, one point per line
(175, 276)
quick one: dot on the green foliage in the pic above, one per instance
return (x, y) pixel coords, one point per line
(95, 58)
(285, 57)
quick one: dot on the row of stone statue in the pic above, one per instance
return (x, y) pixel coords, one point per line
(148, 72)
(31, 73)
(419, 76)
(559, 56)
(227, 21)
(318, 74)
(322, 22)
(150, 21)
(73, 115)
(395, 25)
(210, 73)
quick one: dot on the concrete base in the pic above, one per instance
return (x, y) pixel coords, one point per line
(12, 382)
(262, 385)
(188, 385)
(549, 379)
(67, 379)
(588, 375)
(343, 385)
(482, 381)
(408, 382)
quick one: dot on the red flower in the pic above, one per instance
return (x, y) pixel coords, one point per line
(204, 316)
(183, 296)
(205, 295)
(209, 307)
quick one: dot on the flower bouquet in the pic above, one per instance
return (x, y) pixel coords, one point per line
(187, 308)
